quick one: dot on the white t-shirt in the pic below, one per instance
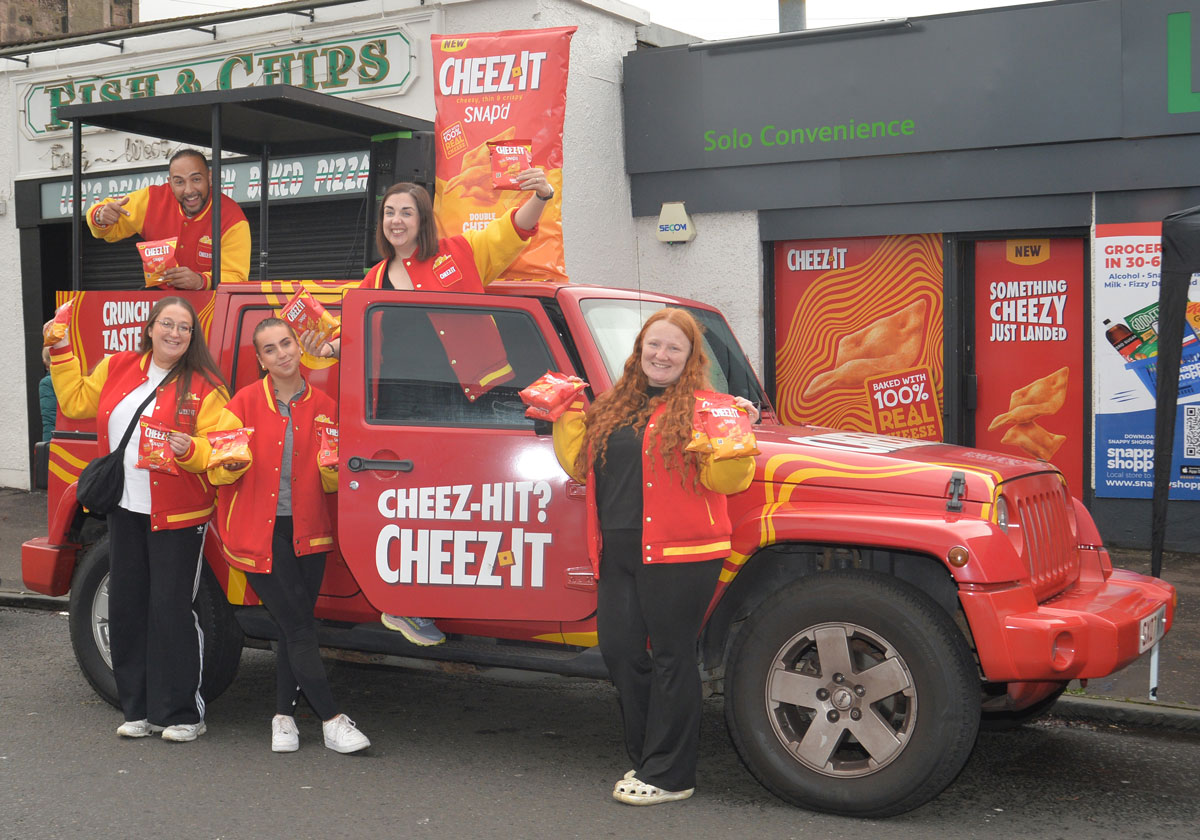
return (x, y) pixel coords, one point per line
(136, 495)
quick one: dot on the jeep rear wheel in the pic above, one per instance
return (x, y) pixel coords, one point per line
(89, 627)
(852, 693)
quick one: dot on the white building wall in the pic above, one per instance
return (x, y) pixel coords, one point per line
(722, 266)
(14, 424)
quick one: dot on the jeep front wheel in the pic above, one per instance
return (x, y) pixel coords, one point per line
(852, 693)
(88, 619)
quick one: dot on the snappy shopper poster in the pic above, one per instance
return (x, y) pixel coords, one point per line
(1127, 265)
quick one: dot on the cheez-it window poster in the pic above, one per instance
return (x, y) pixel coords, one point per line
(859, 334)
(1029, 351)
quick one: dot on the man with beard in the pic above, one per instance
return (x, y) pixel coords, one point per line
(180, 208)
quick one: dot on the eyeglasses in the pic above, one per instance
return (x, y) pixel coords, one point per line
(171, 326)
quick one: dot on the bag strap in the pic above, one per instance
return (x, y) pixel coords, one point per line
(137, 415)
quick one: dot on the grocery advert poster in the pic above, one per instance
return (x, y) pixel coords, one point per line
(1128, 262)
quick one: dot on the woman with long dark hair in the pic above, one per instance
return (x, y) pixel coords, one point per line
(406, 234)
(658, 531)
(275, 525)
(156, 534)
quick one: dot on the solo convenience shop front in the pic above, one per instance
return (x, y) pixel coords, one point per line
(948, 208)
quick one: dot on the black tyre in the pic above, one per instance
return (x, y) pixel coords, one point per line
(1004, 720)
(852, 693)
(89, 627)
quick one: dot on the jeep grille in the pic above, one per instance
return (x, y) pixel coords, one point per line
(1049, 547)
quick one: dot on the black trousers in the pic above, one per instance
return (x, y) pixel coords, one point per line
(157, 644)
(289, 593)
(660, 690)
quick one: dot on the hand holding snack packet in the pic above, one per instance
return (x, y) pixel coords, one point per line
(721, 426)
(157, 256)
(549, 396)
(156, 453)
(230, 448)
(509, 157)
(306, 314)
(57, 327)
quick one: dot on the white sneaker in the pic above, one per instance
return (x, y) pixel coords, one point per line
(341, 735)
(285, 737)
(184, 732)
(137, 728)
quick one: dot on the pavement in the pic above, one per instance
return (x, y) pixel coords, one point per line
(1119, 699)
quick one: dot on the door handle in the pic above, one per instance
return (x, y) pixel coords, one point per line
(357, 464)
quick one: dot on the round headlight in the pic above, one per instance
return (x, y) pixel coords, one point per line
(1002, 514)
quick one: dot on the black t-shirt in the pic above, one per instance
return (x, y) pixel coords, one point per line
(619, 476)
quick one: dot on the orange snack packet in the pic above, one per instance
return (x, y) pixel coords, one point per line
(157, 256)
(230, 447)
(549, 396)
(725, 424)
(508, 158)
(59, 326)
(304, 312)
(155, 452)
(327, 447)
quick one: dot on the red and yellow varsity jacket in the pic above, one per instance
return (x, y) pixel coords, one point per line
(155, 213)
(679, 524)
(176, 501)
(467, 263)
(247, 498)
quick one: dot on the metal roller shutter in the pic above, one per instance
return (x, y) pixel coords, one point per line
(309, 240)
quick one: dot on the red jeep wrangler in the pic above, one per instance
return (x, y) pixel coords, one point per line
(882, 593)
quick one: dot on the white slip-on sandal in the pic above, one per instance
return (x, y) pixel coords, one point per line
(632, 791)
(629, 774)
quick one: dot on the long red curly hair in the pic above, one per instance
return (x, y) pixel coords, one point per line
(627, 401)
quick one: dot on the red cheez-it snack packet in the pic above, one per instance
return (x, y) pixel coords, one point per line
(720, 426)
(155, 453)
(230, 447)
(508, 158)
(327, 445)
(304, 312)
(59, 326)
(549, 396)
(157, 256)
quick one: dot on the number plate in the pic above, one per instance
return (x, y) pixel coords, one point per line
(1152, 629)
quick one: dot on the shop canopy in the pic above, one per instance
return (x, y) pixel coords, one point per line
(264, 121)
(1180, 260)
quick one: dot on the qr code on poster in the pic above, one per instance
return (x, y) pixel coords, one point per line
(1191, 431)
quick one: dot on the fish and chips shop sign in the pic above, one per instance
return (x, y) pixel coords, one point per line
(380, 62)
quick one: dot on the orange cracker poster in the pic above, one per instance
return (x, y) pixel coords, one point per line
(1029, 351)
(858, 334)
(502, 87)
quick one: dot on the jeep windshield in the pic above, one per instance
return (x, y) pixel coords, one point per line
(614, 325)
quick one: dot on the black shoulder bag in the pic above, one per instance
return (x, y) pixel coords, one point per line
(103, 480)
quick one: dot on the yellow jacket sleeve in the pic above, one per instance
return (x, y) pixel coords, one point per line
(569, 431)
(196, 459)
(221, 475)
(126, 226)
(496, 246)
(78, 395)
(730, 476)
(235, 256)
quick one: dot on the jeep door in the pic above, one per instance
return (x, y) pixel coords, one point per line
(450, 504)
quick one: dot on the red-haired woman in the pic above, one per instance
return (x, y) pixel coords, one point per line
(415, 258)
(157, 531)
(658, 530)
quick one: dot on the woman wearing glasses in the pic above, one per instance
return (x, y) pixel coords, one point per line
(157, 531)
